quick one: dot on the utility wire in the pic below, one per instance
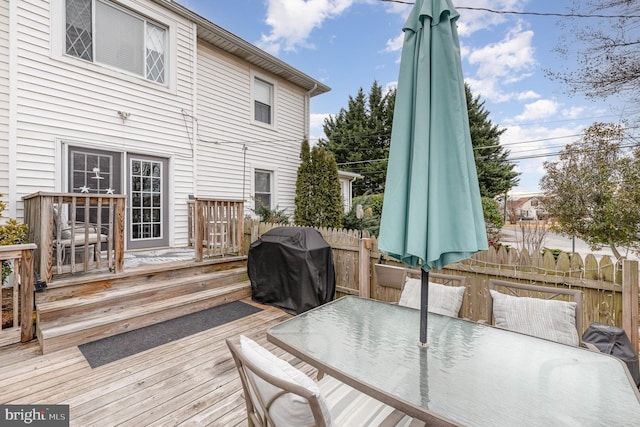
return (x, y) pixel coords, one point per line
(515, 12)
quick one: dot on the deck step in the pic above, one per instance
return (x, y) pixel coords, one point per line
(65, 335)
(134, 294)
(73, 318)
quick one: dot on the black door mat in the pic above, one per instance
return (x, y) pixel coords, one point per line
(113, 348)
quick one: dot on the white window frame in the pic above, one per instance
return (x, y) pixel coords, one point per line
(58, 44)
(272, 185)
(274, 107)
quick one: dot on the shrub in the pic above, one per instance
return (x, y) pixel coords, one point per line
(11, 233)
(273, 216)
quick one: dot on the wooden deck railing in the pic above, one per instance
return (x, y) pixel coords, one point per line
(21, 293)
(218, 224)
(75, 232)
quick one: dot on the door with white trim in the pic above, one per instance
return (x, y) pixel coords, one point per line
(147, 222)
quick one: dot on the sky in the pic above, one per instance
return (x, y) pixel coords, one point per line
(349, 44)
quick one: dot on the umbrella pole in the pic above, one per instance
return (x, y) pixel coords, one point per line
(424, 306)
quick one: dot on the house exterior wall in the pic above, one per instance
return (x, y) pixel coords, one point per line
(532, 209)
(200, 121)
(226, 132)
(4, 100)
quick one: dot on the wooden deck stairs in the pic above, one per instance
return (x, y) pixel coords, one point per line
(77, 310)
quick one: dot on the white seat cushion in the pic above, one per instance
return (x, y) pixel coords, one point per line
(445, 300)
(550, 319)
(290, 409)
(349, 407)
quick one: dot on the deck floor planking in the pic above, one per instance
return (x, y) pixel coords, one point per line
(190, 382)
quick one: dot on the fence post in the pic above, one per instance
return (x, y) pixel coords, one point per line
(27, 296)
(630, 300)
(364, 282)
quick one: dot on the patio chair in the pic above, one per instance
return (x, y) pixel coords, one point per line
(79, 235)
(278, 394)
(543, 317)
(446, 292)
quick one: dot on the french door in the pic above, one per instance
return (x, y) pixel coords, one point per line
(145, 180)
(148, 188)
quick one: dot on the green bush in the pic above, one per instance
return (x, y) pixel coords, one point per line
(273, 216)
(11, 233)
(372, 209)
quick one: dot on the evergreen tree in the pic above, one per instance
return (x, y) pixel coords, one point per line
(304, 184)
(318, 196)
(495, 172)
(359, 137)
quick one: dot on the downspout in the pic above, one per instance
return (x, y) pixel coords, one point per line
(194, 111)
(307, 110)
(12, 131)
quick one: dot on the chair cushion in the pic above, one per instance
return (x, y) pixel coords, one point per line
(550, 319)
(445, 300)
(349, 407)
(290, 409)
(65, 233)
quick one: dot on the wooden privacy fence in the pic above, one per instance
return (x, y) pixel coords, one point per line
(610, 288)
(21, 293)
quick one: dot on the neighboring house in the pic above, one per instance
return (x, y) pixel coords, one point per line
(346, 188)
(148, 99)
(526, 208)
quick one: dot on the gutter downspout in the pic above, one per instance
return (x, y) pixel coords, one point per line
(307, 110)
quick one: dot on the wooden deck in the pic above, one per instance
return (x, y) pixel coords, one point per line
(191, 381)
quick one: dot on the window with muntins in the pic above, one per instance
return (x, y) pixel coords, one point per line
(146, 199)
(263, 101)
(262, 194)
(100, 32)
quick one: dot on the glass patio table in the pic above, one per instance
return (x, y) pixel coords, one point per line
(470, 374)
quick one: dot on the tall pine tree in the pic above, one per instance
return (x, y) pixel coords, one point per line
(359, 137)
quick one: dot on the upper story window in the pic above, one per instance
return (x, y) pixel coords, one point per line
(100, 32)
(262, 101)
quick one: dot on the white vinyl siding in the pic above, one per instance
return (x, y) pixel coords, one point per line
(225, 168)
(63, 101)
(4, 101)
(69, 101)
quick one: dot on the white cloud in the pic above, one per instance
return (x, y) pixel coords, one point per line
(572, 112)
(292, 22)
(510, 58)
(524, 96)
(489, 89)
(503, 63)
(538, 110)
(472, 21)
(395, 45)
(315, 126)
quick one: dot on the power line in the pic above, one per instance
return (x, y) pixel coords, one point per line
(515, 12)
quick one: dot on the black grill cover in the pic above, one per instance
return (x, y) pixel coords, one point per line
(614, 341)
(291, 268)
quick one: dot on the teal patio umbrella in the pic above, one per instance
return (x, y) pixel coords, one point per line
(432, 213)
